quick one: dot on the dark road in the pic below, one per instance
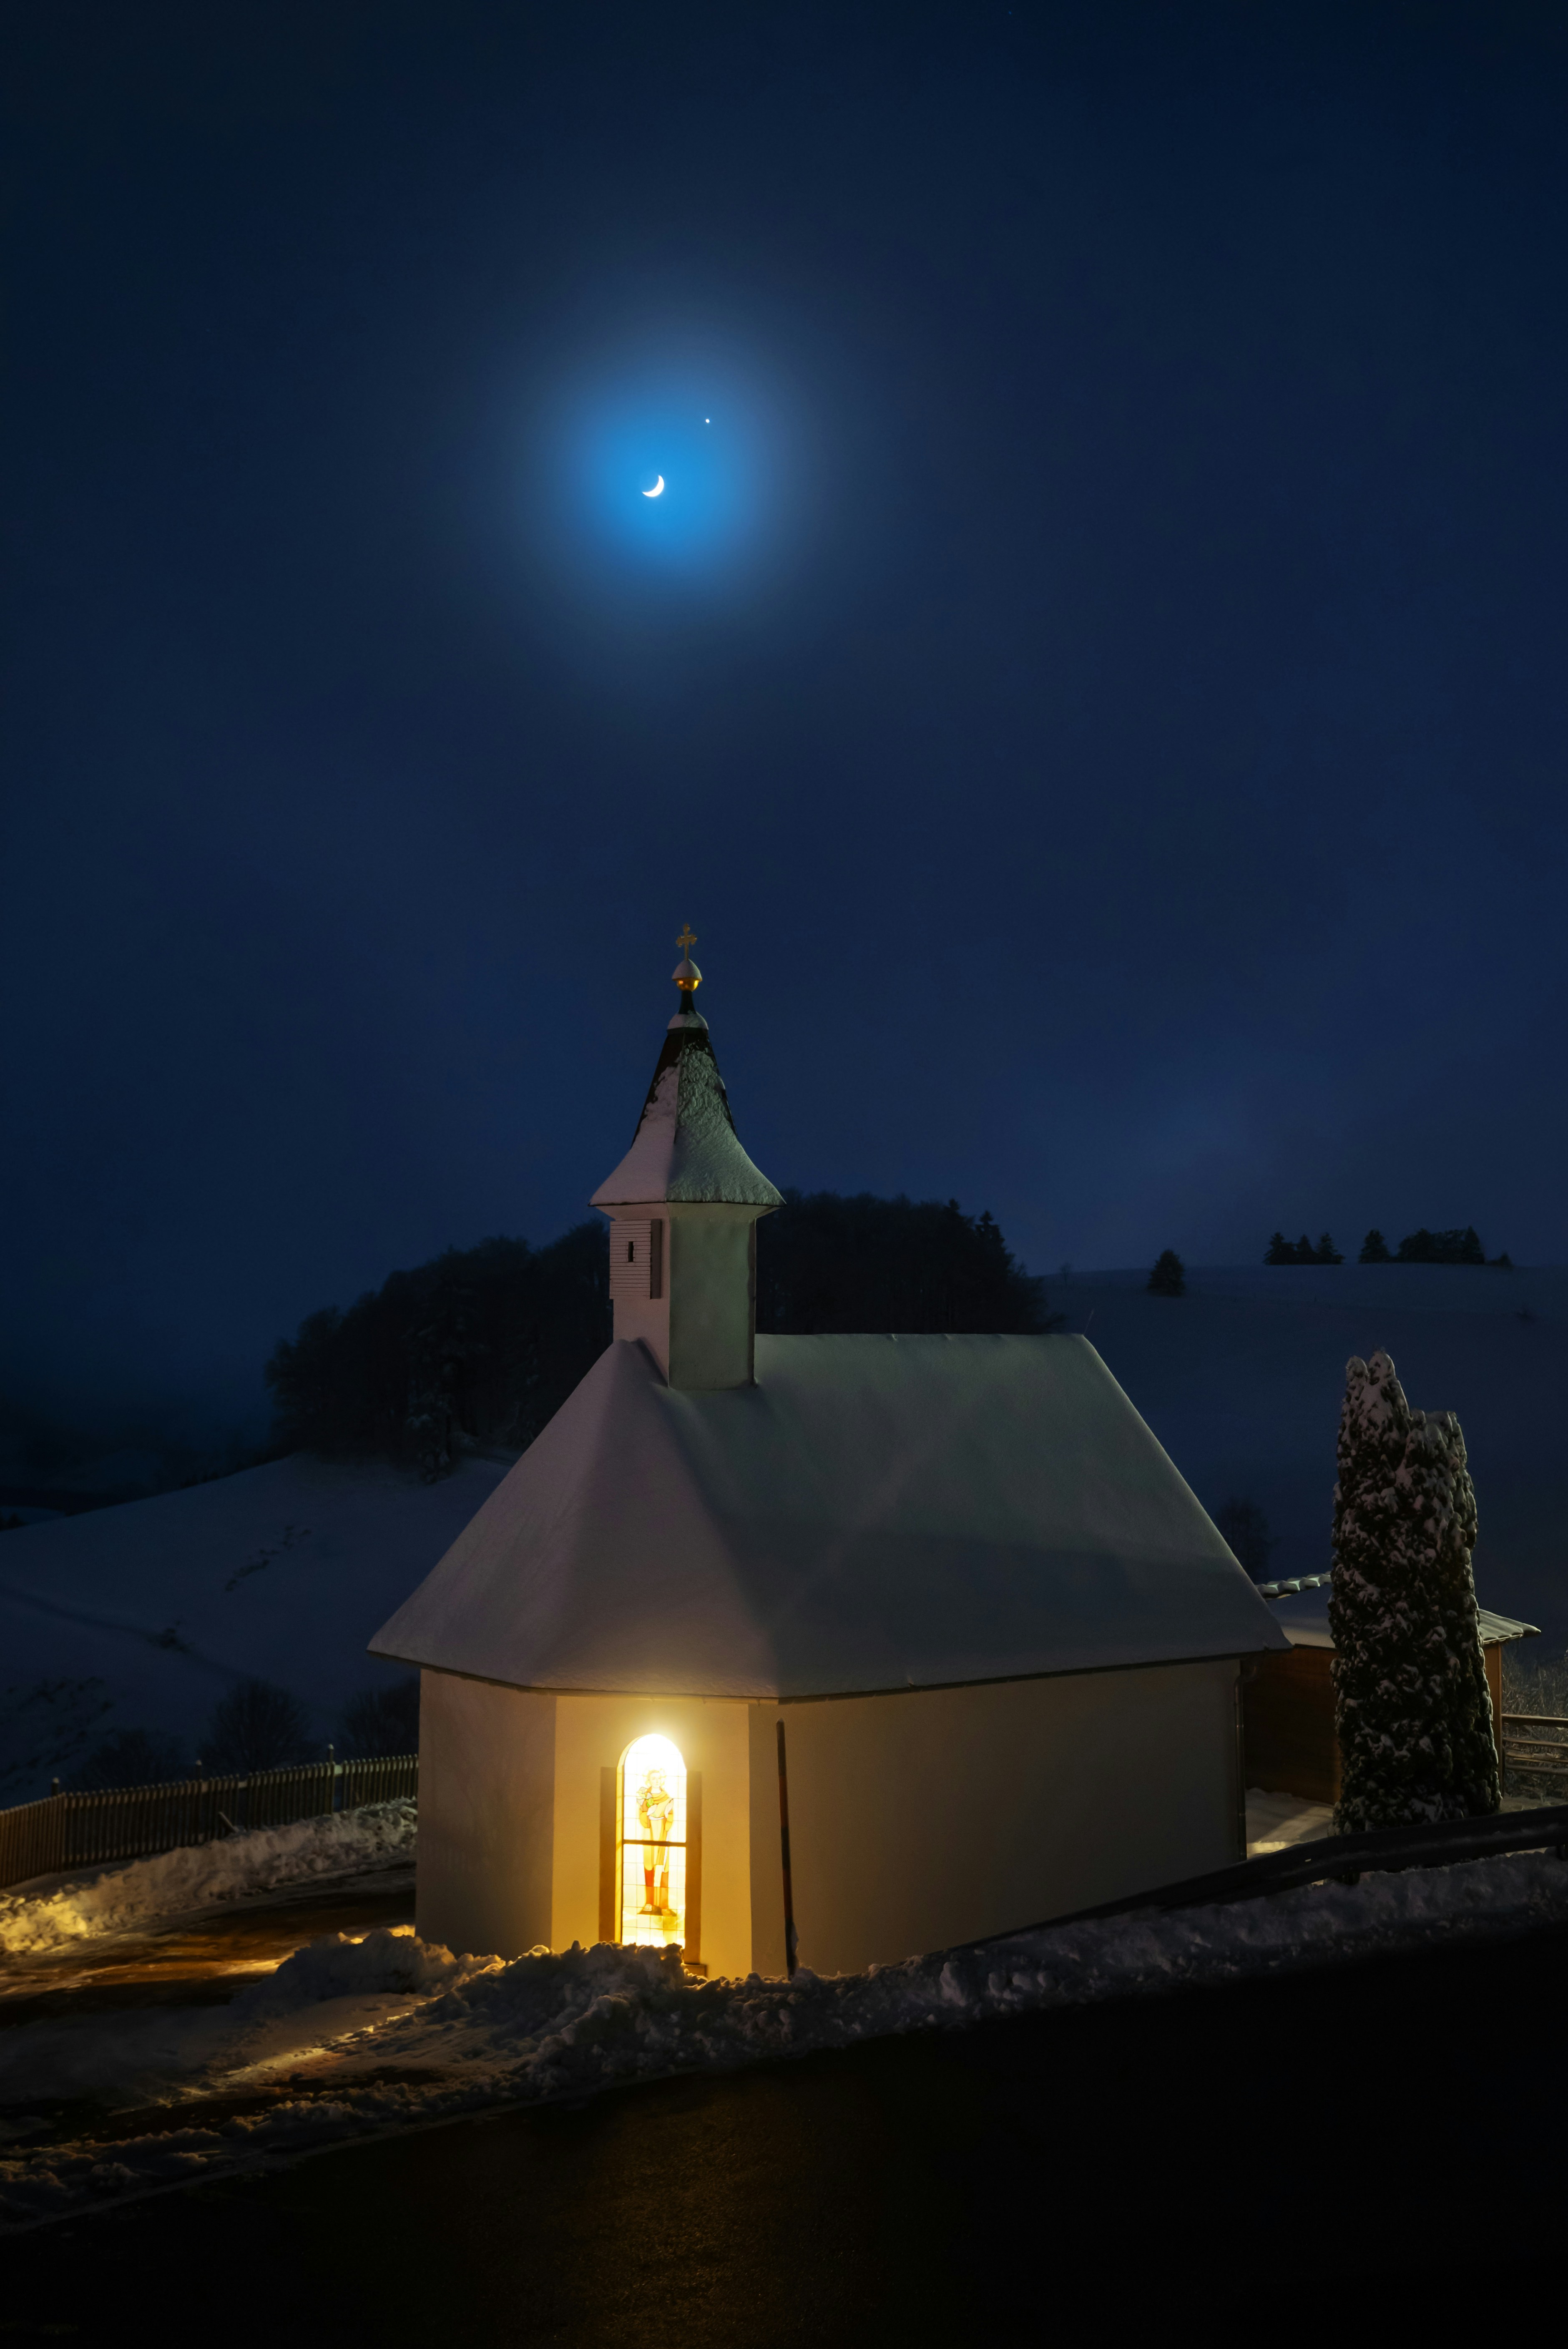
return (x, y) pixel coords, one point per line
(1383, 2138)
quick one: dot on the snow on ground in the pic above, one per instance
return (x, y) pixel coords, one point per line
(1242, 1381)
(282, 1572)
(390, 2031)
(98, 1903)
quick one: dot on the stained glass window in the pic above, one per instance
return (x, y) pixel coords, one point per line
(653, 1843)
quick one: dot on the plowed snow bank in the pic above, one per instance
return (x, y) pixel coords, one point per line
(145, 1894)
(565, 2022)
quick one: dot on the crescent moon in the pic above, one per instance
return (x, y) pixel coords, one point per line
(658, 488)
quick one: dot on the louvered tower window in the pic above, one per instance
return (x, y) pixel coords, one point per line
(636, 1267)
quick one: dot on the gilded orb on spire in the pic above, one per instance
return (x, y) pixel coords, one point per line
(686, 975)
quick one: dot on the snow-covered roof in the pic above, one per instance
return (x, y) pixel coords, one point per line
(686, 1146)
(1303, 1609)
(876, 1513)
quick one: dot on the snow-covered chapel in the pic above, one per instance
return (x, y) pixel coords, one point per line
(827, 1650)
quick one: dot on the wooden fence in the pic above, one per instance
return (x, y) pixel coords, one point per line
(76, 1830)
(1535, 1746)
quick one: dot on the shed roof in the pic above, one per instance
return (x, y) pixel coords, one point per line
(1303, 1609)
(876, 1513)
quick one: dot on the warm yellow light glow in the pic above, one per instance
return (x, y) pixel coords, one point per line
(653, 1843)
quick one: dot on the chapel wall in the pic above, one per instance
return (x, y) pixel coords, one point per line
(592, 1733)
(921, 1819)
(487, 1769)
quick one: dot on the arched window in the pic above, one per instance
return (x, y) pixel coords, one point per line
(650, 1844)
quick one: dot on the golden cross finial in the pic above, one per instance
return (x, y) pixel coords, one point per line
(688, 940)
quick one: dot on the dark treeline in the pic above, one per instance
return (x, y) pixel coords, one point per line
(827, 1264)
(1301, 1251)
(1417, 1247)
(481, 1346)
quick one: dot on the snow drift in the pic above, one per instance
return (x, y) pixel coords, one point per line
(551, 2024)
(147, 1892)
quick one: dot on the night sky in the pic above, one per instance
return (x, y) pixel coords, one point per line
(1096, 685)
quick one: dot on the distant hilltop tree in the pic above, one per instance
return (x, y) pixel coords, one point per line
(1441, 1248)
(1246, 1531)
(1169, 1278)
(482, 1346)
(1411, 1705)
(1282, 1251)
(1375, 1249)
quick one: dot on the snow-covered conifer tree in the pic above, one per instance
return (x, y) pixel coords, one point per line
(1411, 1703)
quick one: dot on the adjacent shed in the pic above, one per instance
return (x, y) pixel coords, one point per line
(1288, 1700)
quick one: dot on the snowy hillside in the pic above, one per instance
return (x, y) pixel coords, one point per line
(286, 1570)
(283, 1571)
(1242, 1381)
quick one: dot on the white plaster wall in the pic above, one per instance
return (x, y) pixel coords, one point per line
(487, 1767)
(936, 1816)
(592, 1733)
(712, 1285)
(700, 1330)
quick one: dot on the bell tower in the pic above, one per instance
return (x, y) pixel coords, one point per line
(683, 1205)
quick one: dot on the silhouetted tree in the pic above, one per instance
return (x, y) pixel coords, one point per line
(481, 1346)
(134, 1757)
(384, 1719)
(1411, 1703)
(1326, 1251)
(1456, 1247)
(1169, 1278)
(257, 1727)
(829, 1264)
(1247, 1529)
(1374, 1250)
(1301, 1251)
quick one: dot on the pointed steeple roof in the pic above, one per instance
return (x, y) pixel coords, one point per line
(685, 1147)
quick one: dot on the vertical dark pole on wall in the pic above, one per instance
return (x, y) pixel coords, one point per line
(784, 1848)
(694, 1868)
(1246, 1670)
(607, 1776)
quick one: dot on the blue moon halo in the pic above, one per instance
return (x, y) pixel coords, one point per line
(657, 480)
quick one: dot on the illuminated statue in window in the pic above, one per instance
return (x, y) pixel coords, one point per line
(653, 1843)
(657, 1810)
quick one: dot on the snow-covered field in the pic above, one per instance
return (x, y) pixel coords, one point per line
(282, 1572)
(1242, 1381)
(386, 2030)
